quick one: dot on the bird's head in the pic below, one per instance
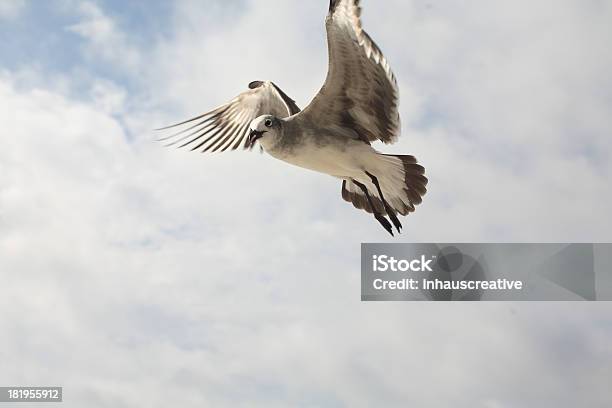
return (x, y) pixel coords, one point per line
(264, 129)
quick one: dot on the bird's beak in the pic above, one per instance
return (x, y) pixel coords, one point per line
(254, 136)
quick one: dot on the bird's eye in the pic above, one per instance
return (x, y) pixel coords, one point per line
(268, 123)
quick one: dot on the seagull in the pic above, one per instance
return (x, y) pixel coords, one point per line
(357, 105)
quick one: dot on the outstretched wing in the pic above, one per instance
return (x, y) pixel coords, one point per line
(227, 126)
(360, 92)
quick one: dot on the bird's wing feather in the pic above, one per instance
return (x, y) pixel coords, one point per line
(360, 91)
(227, 126)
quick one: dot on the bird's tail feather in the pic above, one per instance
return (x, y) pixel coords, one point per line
(401, 179)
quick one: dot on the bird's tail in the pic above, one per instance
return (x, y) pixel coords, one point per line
(401, 180)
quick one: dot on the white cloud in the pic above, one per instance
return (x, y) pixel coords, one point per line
(11, 8)
(135, 275)
(108, 96)
(105, 39)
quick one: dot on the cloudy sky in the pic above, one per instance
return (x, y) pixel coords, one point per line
(134, 275)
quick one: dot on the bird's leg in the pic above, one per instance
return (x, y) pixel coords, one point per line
(388, 209)
(379, 217)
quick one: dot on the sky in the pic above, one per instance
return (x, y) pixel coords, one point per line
(135, 275)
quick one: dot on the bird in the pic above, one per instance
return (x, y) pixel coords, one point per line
(356, 106)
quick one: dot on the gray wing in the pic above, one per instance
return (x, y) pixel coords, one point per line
(227, 126)
(360, 92)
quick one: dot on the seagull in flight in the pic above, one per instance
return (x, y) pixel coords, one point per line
(357, 105)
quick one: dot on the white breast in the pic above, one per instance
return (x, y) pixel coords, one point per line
(346, 161)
